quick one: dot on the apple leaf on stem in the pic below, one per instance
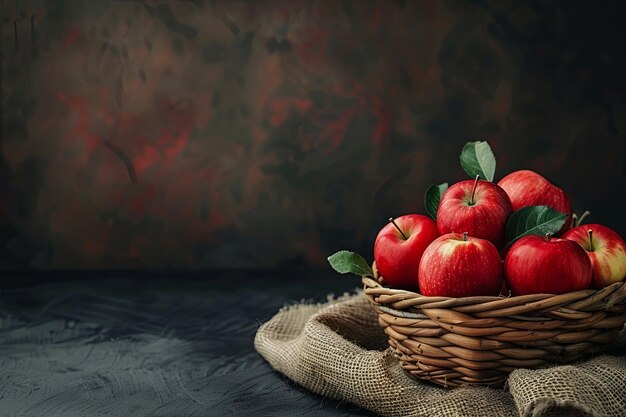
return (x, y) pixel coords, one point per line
(432, 198)
(477, 158)
(350, 262)
(534, 220)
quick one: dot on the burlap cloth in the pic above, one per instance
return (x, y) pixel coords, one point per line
(336, 349)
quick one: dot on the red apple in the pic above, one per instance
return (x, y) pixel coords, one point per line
(456, 265)
(398, 250)
(527, 188)
(546, 265)
(606, 250)
(480, 208)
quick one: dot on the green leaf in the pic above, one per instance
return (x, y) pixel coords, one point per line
(350, 262)
(432, 198)
(477, 158)
(534, 220)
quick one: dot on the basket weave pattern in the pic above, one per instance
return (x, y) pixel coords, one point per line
(480, 340)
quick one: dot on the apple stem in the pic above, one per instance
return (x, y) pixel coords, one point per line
(464, 236)
(572, 224)
(548, 236)
(590, 233)
(582, 217)
(471, 202)
(399, 230)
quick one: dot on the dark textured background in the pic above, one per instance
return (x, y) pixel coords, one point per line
(195, 134)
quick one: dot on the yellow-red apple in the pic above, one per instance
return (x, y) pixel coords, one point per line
(606, 250)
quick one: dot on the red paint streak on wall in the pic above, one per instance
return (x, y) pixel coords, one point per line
(335, 131)
(377, 107)
(82, 127)
(145, 159)
(383, 125)
(71, 37)
(179, 143)
(280, 108)
(178, 125)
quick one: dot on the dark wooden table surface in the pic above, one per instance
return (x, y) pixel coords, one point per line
(151, 344)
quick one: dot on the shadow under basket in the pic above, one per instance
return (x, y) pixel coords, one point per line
(480, 340)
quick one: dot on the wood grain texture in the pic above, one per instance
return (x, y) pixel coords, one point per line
(168, 347)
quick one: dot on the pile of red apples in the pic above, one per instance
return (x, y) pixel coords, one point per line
(464, 250)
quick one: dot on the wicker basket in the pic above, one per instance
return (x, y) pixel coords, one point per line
(480, 340)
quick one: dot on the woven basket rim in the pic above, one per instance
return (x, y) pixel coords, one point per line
(575, 301)
(372, 283)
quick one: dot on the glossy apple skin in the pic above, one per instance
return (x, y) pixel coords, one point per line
(398, 259)
(452, 267)
(527, 188)
(606, 251)
(486, 219)
(536, 265)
